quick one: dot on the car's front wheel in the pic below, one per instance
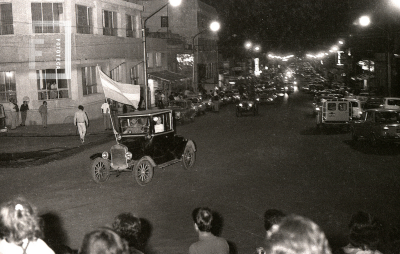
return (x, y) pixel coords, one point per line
(188, 157)
(100, 170)
(143, 172)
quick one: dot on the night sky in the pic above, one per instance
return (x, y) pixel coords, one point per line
(290, 26)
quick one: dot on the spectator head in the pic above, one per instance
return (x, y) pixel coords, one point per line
(297, 235)
(128, 227)
(202, 218)
(19, 221)
(364, 231)
(45, 103)
(80, 107)
(103, 241)
(272, 217)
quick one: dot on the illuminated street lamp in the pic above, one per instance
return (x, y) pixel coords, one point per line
(173, 3)
(364, 21)
(214, 27)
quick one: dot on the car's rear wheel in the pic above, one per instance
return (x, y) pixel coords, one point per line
(143, 172)
(238, 113)
(373, 140)
(188, 157)
(354, 136)
(100, 170)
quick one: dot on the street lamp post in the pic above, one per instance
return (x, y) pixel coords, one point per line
(214, 26)
(146, 85)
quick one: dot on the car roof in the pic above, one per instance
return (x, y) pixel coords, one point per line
(145, 112)
(382, 110)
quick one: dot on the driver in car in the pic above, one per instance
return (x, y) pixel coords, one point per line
(135, 126)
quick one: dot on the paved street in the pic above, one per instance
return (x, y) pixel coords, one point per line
(244, 166)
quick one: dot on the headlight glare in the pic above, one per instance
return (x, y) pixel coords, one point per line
(128, 155)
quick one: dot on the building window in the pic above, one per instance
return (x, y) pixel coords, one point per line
(164, 21)
(130, 26)
(84, 20)
(6, 19)
(158, 59)
(150, 63)
(89, 83)
(134, 73)
(7, 86)
(52, 84)
(109, 23)
(116, 73)
(46, 17)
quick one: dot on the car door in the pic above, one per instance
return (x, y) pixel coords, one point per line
(365, 128)
(161, 143)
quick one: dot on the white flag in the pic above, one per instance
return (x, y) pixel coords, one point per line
(123, 93)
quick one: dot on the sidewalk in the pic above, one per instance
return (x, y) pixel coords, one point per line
(31, 143)
(55, 130)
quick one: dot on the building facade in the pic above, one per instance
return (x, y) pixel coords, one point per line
(50, 48)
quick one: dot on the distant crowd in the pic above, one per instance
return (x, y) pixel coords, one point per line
(23, 231)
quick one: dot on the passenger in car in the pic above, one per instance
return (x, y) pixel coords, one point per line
(134, 126)
(159, 126)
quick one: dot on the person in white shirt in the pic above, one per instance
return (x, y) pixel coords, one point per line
(158, 127)
(81, 121)
(105, 111)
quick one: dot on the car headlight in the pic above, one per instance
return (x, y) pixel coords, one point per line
(240, 104)
(250, 105)
(178, 114)
(257, 99)
(104, 155)
(385, 128)
(128, 155)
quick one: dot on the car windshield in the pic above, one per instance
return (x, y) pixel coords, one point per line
(133, 125)
(387, 117)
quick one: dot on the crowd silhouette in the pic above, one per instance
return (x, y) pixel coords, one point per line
(23, 231)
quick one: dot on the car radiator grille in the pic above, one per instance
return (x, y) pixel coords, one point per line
(118, 159)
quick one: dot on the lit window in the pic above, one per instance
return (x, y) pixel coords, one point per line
(52, 84)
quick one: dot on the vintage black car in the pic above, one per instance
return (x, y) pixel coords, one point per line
(145, 140)
(246, 106)
(377, 125)
(183, 110)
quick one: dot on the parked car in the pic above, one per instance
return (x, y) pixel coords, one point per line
(145, 140)
(199, 105)
(246, 106)
(378, 125)
(391, 103)
(335, 113)
(373, 102)
(265, 97)
(183, 110)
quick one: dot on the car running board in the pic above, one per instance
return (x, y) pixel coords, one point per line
(169, 163)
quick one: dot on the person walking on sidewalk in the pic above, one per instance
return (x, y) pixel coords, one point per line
(43, 114)
(24, 112)
(105, 111)
(81, 121)
(14, 114)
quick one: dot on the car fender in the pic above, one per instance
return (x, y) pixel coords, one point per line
(96, 155)
(147, 158)
(192, 144)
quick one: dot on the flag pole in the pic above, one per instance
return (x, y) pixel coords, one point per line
(112, 122)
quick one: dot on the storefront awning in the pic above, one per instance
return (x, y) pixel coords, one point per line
(168, 76)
